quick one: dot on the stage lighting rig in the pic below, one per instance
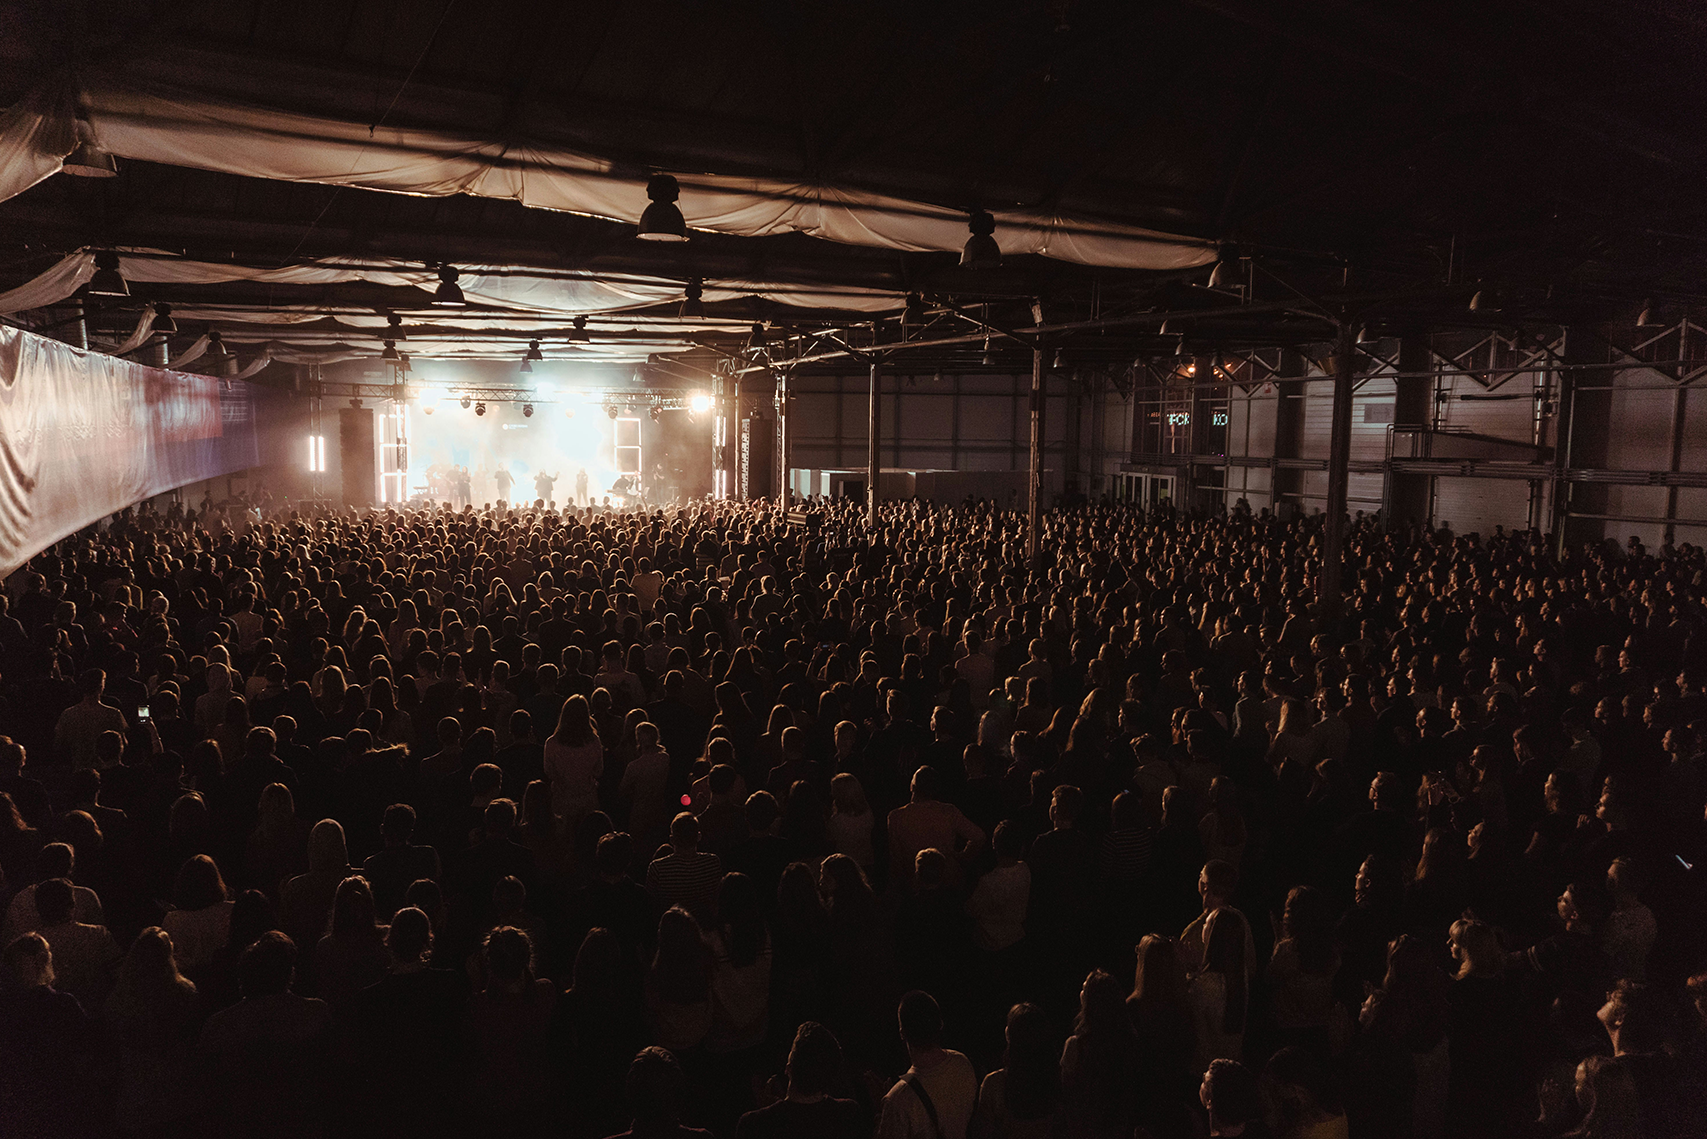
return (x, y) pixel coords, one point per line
(480, 409)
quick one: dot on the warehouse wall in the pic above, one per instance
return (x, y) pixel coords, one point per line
(964, 422)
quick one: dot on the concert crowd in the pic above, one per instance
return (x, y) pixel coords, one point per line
(730, 820)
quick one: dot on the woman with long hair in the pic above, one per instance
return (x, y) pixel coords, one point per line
(1022, 1098)
(1161, 1015)
(741, 977)
(154, 1016)
(574, 760)
(678, 984)
(277, 848)
(351, 955)
(1218, 989)
(1099, 1063)
(851, 821)
(200, 919)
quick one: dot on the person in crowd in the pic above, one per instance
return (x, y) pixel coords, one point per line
(935, 1096)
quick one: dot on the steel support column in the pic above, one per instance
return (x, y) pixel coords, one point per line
(874, 433)
(1034, 482)
(1339, 468)
(783, 442)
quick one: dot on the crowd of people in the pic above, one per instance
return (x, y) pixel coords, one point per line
(722, 820)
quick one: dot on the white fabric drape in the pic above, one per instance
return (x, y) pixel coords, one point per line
(481, 284)
(170, 123)
(83, 435)
(35, 136)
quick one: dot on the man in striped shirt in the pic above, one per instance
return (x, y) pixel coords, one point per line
(685, 877)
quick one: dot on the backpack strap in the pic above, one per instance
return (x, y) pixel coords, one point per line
(911, 1079)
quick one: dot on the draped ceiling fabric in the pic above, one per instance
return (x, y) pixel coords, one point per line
(83, 435)
(494, 285)
(176, 125)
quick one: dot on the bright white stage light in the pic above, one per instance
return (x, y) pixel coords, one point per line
(700, 404)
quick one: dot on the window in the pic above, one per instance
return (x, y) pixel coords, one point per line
(1377, 413)
(628, 446)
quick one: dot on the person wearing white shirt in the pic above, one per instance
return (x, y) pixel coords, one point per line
(998, 904)
(934, 1098)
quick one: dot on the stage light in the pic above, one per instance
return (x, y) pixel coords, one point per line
(527, 411)
(163, 322)
(480, 409)
(449, 293)
(693, 304)
(700, 404)
(356, 402)
(611, 410)
(466, 402)
(580, 331)
(427, 406)
(663, 219)
(107, 281)
(90, 159)
(533, 351)
(1646, 319)
(390, 352)
(989, 356)
(394, 327)
(1366, 335)
(981, 250)
(657, 413)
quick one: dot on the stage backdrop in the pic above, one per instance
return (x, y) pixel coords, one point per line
(83, 435)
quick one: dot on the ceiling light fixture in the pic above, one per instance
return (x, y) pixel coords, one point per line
(394, 327)
(663, 219)
(914, 313)
(1221, 277)
(989, 357)
(217, 356)
(1366, 335)
(579, 333)
(533, 351)
(757, 338)
(1485, 300)
(466, 402)
(527, 411)
(611, 410)
(390, 352)
(480, 409)
(657, 412)
(449, 293)
(693, 302)
(90, 159)
(164, 325)
(981, 250)
(107, 281)
(1646, 319)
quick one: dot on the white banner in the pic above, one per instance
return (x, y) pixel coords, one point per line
(83, 435)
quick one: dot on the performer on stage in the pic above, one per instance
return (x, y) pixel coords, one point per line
(581, 498)
(542, 484)
(504, 481)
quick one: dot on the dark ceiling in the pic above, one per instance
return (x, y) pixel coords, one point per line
(1380, 161)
